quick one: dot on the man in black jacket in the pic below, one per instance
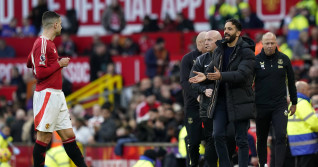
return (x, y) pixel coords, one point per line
(271, 70)
(193, 122)
(200, 65)
(231, 71)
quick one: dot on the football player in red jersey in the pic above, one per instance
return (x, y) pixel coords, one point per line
(49, 104)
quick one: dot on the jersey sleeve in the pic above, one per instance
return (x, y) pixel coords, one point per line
(43, 67)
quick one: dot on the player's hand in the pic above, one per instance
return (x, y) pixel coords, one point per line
(208, 92)
(64, 62)
(198, 78)
(214, 76)
(292, 110)
(198, 98)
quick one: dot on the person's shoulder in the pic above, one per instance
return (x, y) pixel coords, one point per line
(187, 55)
(203, 56)
(283, 56)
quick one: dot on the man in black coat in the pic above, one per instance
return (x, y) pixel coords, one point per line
(271, 70)
(231, 71)
(193, 121)
(204, 92)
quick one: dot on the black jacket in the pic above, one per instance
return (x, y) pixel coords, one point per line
(238, 78)
(270, 79)
(200, 65)
(190, 96)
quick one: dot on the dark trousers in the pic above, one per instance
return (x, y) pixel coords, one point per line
(193, 125)
(267, 116)
(306, 161)
(210, 155)
(220, 121)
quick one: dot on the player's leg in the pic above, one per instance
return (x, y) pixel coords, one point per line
(39, 150)
(70, 146)
(44, 118)
(64, 129)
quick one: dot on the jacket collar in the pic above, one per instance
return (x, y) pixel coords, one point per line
(197, 50)
(300, 95)
(271, 56)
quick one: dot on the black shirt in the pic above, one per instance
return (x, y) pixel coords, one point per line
(189, 94)
(272, 73)
(226, 58)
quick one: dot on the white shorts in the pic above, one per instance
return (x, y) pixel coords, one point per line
(50, 111)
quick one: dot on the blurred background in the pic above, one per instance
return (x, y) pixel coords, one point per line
(122, 84)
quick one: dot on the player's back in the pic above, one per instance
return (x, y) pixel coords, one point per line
(44, 61)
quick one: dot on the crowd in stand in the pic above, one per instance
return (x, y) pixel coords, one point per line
(151, 110)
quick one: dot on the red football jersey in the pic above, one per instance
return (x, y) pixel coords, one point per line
(43, 59)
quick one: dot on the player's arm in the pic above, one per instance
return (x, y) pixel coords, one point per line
(44, 68)
(43, 72)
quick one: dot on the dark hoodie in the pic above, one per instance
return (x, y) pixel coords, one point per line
(270, 80)
(237, 78)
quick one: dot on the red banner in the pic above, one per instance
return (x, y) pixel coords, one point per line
(78, 71)
(91, 10)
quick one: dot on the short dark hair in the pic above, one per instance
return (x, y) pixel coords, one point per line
(160, 40)
(48, 18)
(235, 22)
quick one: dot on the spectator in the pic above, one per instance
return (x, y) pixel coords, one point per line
(301, 47)
(165, 94)
(28, 132)
(67, 47)
(96, 41)
(113, 18)
(143, 108)
(160, 130)
(16, 126)
(157, 83)
(17, 80)
(249, 19)
(36, 15)
(313, 41)
(99, 61)
(97, 119)
(148, 159)
(314, 100)
(157, 59)
(83, 134)
(124, 136)
(130, 47)
(184, 24)
(67, 86)
(10, 30)
(288, 18)
(313, 79)
(297, 24)
(284, 48)
(220, 12)
(149, 25)
(70, 22)
(145, 85)
(144, 43)
(114, 47)
(6, 51)
(5, 138)
(303, 128)
(28, 30)
(168, 24)
(107, 130)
